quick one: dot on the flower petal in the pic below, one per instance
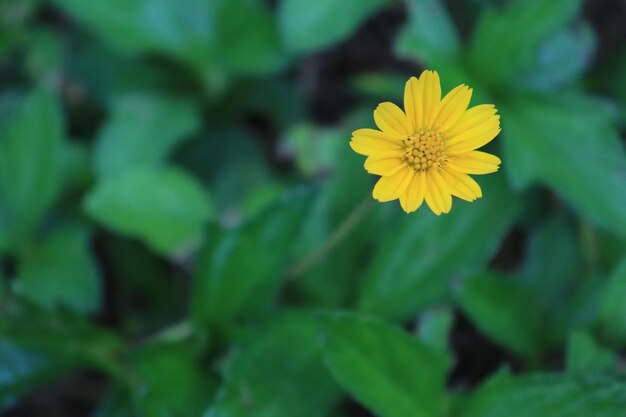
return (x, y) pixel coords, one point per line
(443, 190)
(392, 186)
(474, 162)
(476, 128)
(453, 106)
(391, 119)
(473, 117)
(370, 141)
(412, 199)
(413, 92)
(431, 96)
(384, 163)
(462, 185)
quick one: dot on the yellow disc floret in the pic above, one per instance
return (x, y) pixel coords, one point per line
(424, 150)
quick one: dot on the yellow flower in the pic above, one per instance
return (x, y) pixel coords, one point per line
(428, 152)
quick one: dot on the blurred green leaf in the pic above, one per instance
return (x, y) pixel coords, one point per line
(183, 29)
(66, 338)
(171, 380)
(506, 42)
(585, 355)
(574, 46)
(44, 54)
(430, 36)
(391, 373)
(422, 252)
(506, 312)
(570, 144)
(548, 396)
(279, 372)
(166, 209)
(141, 132)
(30, 164)
(380, 85)
(141, 278)
(22, 369)
(254, 255)
(116, 403)
(61, 271)
(309, 26)
(612, 314)
(315, 149)
(232, 161)
(553, 262)
(332, 279)
(248, 37)
(435, 326)
(560, 282)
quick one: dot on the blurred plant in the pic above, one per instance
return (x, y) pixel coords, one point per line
(184, 230)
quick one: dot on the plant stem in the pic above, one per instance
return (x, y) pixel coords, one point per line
(345, 228)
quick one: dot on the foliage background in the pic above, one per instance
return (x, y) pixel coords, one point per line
(184, 230)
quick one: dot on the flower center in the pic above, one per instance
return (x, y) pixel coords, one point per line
(424, 150)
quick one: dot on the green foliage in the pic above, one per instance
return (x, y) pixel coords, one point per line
(398, 283)
(61, 271)
(390, 372)
(509, 40)
(185, 230)
(165, 209)
(612, 315)
(540, 128)
(548, 395)
(505, 311)
(308, 26)
(30, 164)
(430, 35)
(584, 354)
(141, 132)
(158, 366)
(254, 255)
(286, 353)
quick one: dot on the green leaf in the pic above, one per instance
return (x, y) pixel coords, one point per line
(585, 355)
(172, 381)
(506, 312)
(254, 255)
(506, 42)
(382, 367)
(575, 46)
(435, 326)
(277, 373)
(612, 315)
(343, 199)
(553, 262)
(61, 271)
(141, 132)
(232, 161)
(548, 396)
(422, 252)
(429, 36)
(57, 342)
(309, 26)
(570, 144)
(249, 38)
(166, 209)
(23, 369)
(182, 29)
(30, 164)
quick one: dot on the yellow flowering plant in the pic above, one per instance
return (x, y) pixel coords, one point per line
(427, 151)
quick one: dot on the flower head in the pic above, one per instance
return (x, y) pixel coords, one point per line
(427, 151)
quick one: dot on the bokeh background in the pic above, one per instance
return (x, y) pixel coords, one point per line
(184, 230)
